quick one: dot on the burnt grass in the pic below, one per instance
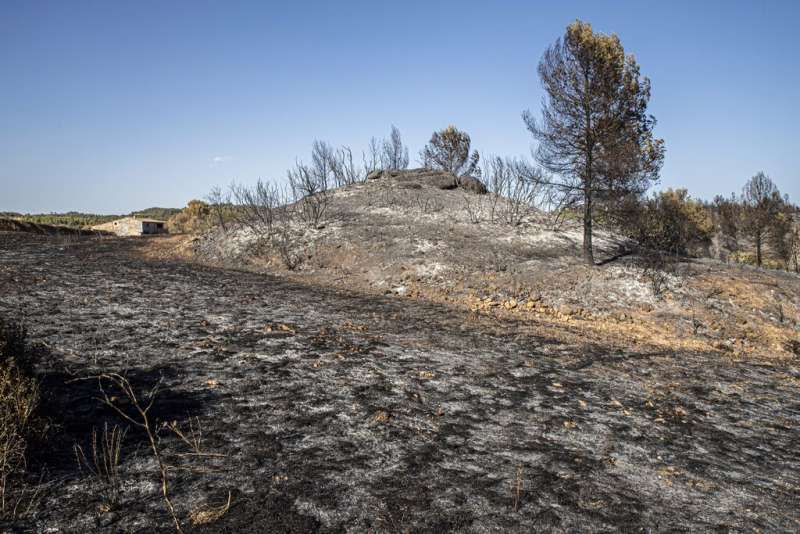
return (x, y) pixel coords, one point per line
(340, 412)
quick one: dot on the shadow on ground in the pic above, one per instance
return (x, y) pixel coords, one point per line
(338, 412)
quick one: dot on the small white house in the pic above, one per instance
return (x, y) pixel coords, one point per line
(131, 226)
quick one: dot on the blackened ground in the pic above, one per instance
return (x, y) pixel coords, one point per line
(339, 412)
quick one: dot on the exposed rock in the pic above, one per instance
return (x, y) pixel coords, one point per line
(470, 183)
(422, 176)
(415, 178)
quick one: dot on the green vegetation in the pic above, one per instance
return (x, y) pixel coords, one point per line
(75, 219)
(161, 214)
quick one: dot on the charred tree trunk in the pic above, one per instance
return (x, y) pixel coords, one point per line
(588, 252)
(758, 249)
(595, 135)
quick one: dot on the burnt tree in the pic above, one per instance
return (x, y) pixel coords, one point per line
(449, 150)
(762, 203)
(594, 135)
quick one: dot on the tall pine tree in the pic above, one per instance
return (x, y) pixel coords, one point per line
(595, 135)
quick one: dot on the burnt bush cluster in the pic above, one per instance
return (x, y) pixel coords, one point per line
(669, 221)
(195, 217)
(759, 226)
(19, 398)
(277, 212)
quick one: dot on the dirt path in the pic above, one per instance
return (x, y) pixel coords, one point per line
(338, 412)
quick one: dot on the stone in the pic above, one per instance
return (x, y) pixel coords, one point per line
(472, 184)
(441, 180)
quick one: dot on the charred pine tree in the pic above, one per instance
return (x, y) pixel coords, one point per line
(449, 150)
(762, 204)
(594, 135)
(394, 155)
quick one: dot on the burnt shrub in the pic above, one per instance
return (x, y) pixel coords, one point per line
(196, 217)
(19, 397)
(12, 341)
(670, 222)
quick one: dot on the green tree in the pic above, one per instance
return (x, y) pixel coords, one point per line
(595, 135)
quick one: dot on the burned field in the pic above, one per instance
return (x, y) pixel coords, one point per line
(331, 411)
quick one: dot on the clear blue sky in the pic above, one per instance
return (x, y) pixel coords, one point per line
(116, 106)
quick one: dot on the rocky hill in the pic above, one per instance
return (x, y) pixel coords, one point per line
(415, 234)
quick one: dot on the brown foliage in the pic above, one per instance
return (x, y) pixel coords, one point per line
(195, 217)
(595, 135)
(762, 203)
(670, 221)
(449, 150)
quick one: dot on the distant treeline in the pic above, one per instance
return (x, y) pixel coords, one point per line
(161, 214)
(74, 219)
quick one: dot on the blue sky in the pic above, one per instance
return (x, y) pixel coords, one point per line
(116, 106)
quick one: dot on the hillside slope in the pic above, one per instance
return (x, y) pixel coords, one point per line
(405, 235)
(15, 225)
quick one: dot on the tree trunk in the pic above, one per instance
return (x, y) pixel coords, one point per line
(588, 252)
(758, 249)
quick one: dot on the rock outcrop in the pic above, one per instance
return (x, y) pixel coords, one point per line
(439, 179)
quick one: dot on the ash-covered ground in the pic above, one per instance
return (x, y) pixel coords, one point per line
(328, 410)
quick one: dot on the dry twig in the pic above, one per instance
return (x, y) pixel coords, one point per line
(141, 419)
